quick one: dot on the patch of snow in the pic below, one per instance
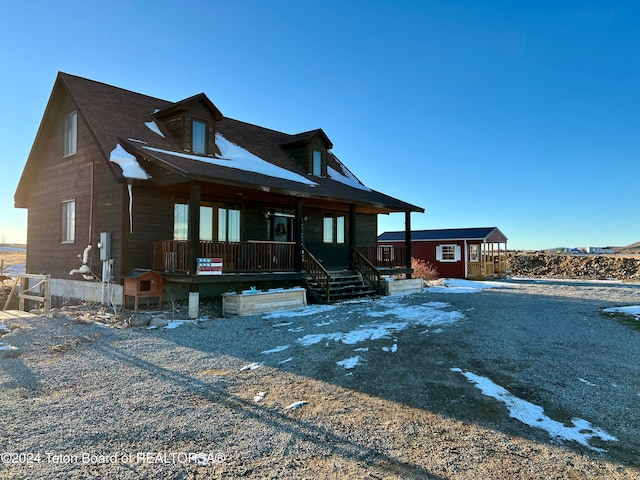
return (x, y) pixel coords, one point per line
(251, 366)
(259, 396)
(128, 163)
(587, 382)
(6, 346)
(351, 362)
(533, 415)
(277, 349)
(234, 156)
(300, 312)
(361, 349)
(393, 348)
(633, 310)
(286, 360)
(409, 316)
(12, 249)
(458, 285)
(15, 270)
(153, 126)
(348, 179)
(296, 405)
(177, 323)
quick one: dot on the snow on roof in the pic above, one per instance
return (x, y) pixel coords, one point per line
(128, 163)
(234, 156)
(153, 126)
(348, 179)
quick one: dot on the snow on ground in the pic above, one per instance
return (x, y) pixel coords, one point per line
(533, 415)
(458, 285)
(633, 310)
(398, 316)
(275, 350)
(351, 362)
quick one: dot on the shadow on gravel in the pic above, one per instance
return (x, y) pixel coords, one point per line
(553, 349)
(297, 428)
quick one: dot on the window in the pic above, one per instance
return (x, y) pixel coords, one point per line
(68, 227)
(327, 229)
(340, 229)
(226, 225)
(448, 253)
(180, 221)
(316, 163)
(333, 228)
(474, 252)
(199, 137)
(70, 133)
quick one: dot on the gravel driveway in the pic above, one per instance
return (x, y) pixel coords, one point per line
(511, 379)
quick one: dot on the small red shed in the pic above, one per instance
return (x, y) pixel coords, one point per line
(475, 253)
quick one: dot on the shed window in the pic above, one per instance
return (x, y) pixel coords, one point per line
(228, 224)
(448, 253)
(199, 137)
(70, 133)
(68, 227)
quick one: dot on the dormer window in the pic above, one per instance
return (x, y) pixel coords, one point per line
(199, 137)
(316, 163)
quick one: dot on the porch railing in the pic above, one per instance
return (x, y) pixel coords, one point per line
(385, 256)
(366, 268)
(173, 255)
(316, 271)
(486, 269)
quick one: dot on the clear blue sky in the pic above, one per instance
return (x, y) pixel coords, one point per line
(523, 115)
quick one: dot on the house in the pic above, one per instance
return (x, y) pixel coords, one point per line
(473, 253)
(118, 181)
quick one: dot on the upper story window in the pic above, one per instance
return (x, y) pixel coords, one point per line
(316, 163)
(199, 137)
(70, 133)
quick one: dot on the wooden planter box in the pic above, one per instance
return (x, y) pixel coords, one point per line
(403, 286)
(245, 303)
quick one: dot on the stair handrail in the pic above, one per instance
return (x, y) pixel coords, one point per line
(367, 269)
(316, 271)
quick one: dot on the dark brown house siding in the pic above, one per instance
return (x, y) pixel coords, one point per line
(57, 179)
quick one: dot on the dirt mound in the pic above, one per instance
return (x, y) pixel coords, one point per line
(599, 267)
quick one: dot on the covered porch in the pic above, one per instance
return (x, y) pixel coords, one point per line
(256, 256)
(487, 260)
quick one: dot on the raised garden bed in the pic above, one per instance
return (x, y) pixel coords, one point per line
(402, 286)
(256, 302)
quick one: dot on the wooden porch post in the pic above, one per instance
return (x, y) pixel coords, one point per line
(298, 236)
(194, 225)
(352, 232)
(407, 239)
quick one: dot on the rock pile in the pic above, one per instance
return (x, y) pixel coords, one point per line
(601, 267)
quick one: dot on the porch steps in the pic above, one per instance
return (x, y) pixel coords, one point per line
(344, 285)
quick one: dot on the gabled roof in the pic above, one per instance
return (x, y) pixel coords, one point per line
(485, 234)
(133, 120)
(306, 137)
(184, 105)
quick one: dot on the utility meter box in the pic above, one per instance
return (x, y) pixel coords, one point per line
(105, 246)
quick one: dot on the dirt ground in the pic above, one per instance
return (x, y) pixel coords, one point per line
(271, 396)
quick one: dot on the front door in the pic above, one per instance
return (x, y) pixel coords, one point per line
(281, 228)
